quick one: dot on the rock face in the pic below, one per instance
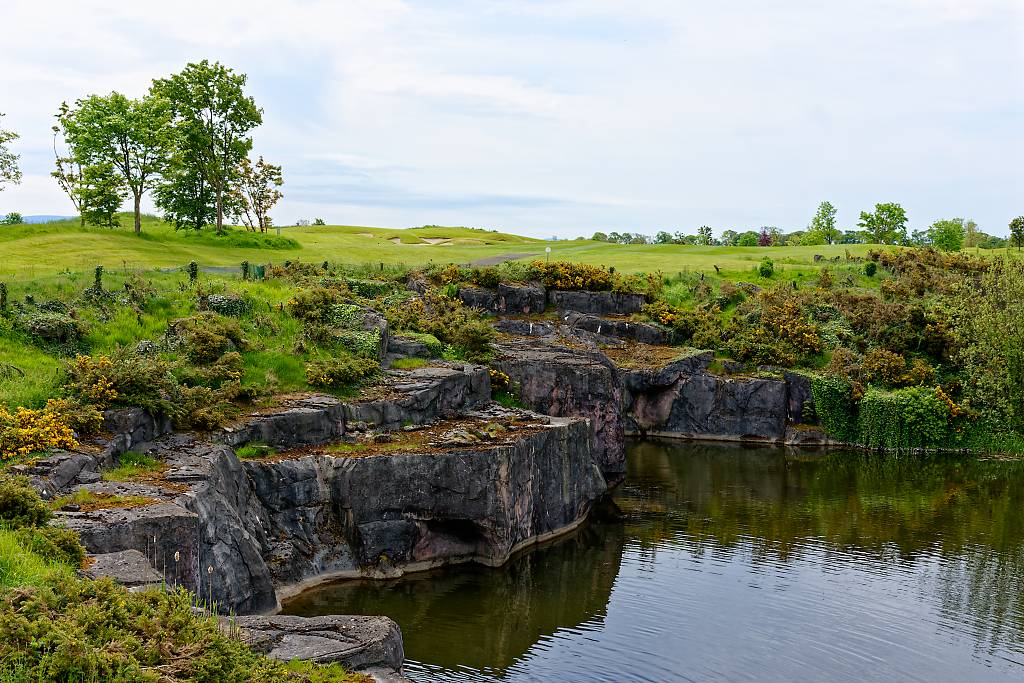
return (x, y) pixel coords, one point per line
(507, 299)
(557, 380)
(598, 303)
(620, 329)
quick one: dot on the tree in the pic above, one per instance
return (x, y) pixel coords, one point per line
(704, 235)
(971, 235)
(133, 136)
(813, 238)
(9, 171)
(1017, 231)
(599, 237)
(887, 225)
(764, 239)
(947, 235)
(256, 193)
(102, 193)
(729, 238)
(747, 239)
(824, 222)
(13, 218)
(213, 116)
(663, 238)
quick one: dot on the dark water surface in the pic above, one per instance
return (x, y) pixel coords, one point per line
(739, 564)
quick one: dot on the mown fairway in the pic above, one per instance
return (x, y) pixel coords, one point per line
(31, 251)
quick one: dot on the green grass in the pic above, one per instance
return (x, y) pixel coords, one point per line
(255, 449)
(409, 363)
(132, 466)
(21, 567)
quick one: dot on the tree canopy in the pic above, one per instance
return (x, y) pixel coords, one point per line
(887, 225)
(9, 171)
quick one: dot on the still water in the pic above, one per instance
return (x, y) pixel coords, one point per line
(733, 563)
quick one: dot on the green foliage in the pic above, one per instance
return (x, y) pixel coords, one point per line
(340, 373)
(887, 225)
(12, 218)
(766, 268)
(409, 363)
(1017, 231)
(20, 505)
(9, 171)
(870, 268)
(947, 235)
(130, 466)
(824, 224)
(834, 406)
(212, 120)
(255, 449)
(206, 337)
(255, 193)
(446, 319)
(57, 331)
(903, 419)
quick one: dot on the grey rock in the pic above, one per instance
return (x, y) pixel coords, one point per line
(621, 329)
(356, 642)
(800, 400)
(525, 328)
(130, 568)
(408, 347)
(599, 303)
(478, 297)
(521, 299)
(423, 395)
(556, 380)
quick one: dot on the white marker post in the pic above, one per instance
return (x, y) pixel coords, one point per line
(547, 258)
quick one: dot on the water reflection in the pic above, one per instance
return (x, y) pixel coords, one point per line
(741, 564)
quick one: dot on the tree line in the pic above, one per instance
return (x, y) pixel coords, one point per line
(186, 141)
(887, 224)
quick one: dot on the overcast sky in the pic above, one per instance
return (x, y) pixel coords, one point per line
(564, 117)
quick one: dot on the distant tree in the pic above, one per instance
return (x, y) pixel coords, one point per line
(600, 237)
(13, 218)
(9, 171)
(971, 235)
(302, 223)
(256, 193)
(132, 136)
(747, 239)
(920, 238)
(813, 238)
(764, 238)
(213, 117)
(102, 193)
(729, 238)
(704, 235)
(663, 238)
(68, 173)
(948, 235)
(1017, 231)
(824, 223)
(321, 221)
(852, 237)
(887, 225)
(637, 238)
(614, 237)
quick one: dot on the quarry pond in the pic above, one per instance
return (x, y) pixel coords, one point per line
(725, 562)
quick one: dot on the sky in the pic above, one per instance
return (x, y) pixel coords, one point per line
(563, 117)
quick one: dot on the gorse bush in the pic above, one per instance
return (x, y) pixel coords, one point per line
(339, 373)
(26, 431)
(462, 328)
(53, 329)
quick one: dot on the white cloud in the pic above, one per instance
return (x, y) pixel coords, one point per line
(589, 113)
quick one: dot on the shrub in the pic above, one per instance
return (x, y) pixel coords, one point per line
(20, 505)
(870, 268)
(207, 336)
(766, 268)
(29, 431)
(52, 328)
(123, 378)
(903, 419)
(447, 320)
(313, 304)
(230, 305)
(338, 373)
(57, 544)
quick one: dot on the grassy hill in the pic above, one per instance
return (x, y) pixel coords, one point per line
(32, 251)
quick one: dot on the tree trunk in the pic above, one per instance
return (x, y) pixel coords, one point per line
(138, 214)
(220, 213)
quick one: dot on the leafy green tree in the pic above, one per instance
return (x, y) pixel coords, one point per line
(183, 195)
(887, 225)
(13, 218)
(214, 117)
(824, 223)
(704, 235)
(9, 171)
(132, 136)
(74, 177)
(102, 192)
(747, 239)
(663, 238)
(947, 235)
(256, 193)
(813, 238)
(729, 238)
(599, 237)
(1017, 231)
(972, 237)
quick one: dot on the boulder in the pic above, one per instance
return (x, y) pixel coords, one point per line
(422, 395)
(800, 400)
(478, 297)
(599, 303)
(130, 568)
(359, 643)
(525, 328)
(408, 347)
